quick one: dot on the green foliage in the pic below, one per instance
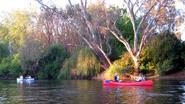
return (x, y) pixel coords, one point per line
(82, 64)
(51, 62)
(125, 26)
(3, 32)
(120, 66)
(163, 54)
(87, 64)
(15, 28)
(68, 65)
(117, 49)
(4, 52)
(125, 60)
(10, 67)
(110, 72)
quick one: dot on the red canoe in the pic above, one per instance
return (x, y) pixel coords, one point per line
(128, 83)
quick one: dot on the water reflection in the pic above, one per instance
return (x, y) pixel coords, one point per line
(128, 95)
(90, 92)
(182, 95)
(169, 91)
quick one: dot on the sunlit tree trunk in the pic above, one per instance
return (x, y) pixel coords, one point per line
(82, 25)
(155, 12)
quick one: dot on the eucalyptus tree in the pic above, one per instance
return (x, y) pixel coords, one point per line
(84, 24)
(147, 17)
(180, 21)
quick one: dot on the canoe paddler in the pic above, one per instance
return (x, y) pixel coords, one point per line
(116, 77)
(140, 77)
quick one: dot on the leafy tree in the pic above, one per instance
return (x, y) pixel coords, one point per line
(117, 49)
(86, 23)
(15, 29)
(125, 27)
(51, 62)
(152, 14)
(4, 52)
(87, 65)
(10, 67)
(123, 60)
(83, 64)
(122, 65)
(3, 31)
(163, 54)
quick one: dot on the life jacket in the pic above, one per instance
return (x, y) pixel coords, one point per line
(116, 78)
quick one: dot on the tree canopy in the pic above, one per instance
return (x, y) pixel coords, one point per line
(85, 39)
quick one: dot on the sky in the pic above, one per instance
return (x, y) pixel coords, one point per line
(7, 6)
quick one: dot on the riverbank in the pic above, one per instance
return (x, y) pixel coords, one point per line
(178, 75)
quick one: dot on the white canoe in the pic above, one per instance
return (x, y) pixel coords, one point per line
(25, 79)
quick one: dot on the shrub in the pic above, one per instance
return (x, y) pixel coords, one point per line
(4, 52)
(51, 62)
(10, 67)
(120, 66)
(163, 54)
(117, 49)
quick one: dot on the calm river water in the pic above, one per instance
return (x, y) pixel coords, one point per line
(91, 92)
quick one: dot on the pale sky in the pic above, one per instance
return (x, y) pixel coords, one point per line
(9, 5)
(6, 6)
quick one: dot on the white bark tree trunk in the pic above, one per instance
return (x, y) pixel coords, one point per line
(135, 53)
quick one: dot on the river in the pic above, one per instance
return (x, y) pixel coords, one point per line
(91, 92)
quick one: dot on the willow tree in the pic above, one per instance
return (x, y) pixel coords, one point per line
(147, 17)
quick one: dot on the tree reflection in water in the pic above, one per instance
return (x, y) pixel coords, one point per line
(91, 92)
(182, 96)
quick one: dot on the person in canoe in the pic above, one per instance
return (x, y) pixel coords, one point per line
(138, 78)
(28, 77)
(21, 77)
(116, 77)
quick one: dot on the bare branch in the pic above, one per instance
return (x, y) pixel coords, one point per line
(121, 39)
(139, 6)
(144, 36)
(109, 47)
(144, 17)
(104, 55)
(70, 3)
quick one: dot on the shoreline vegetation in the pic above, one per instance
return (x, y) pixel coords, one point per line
(88, 41)
(180, 74)
(173, 76)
